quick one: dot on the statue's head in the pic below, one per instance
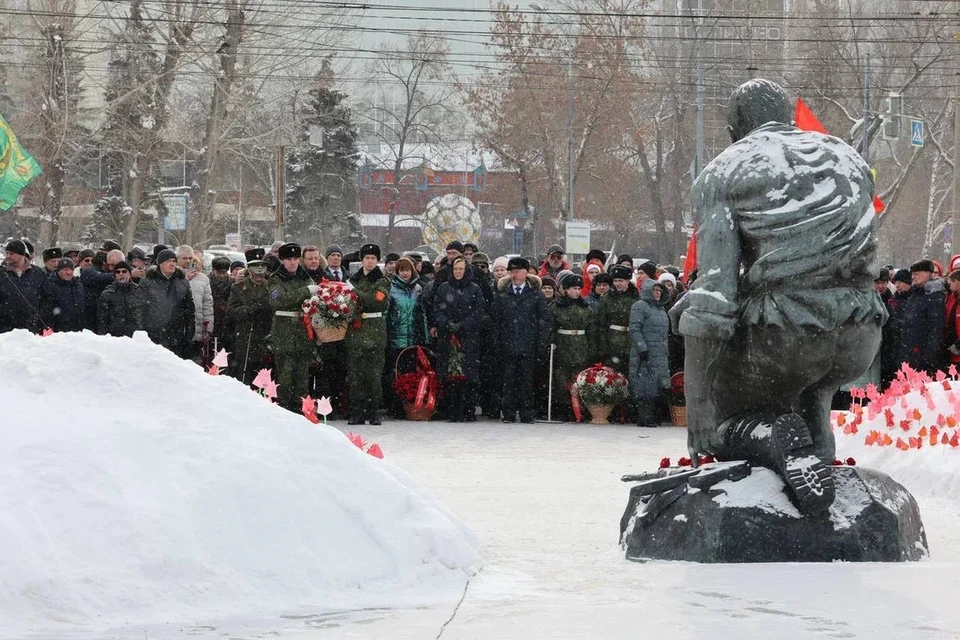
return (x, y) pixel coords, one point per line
(755, 103)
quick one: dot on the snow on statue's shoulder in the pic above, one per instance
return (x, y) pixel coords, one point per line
(158, 494)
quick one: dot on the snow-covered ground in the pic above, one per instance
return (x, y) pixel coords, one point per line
(545, 503)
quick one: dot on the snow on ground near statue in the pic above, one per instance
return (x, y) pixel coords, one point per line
(139, 491)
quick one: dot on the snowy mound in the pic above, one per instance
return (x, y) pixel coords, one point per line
(137, 489)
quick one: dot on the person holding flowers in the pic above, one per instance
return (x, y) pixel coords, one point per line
(458, 314)
(366, 341)
(406, 323)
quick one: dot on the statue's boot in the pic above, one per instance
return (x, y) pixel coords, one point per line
(784, 445)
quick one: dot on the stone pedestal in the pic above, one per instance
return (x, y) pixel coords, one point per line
(751, 519)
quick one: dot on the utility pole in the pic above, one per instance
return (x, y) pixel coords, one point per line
(570, 133)
(955, 222)
(698, 160)
(865, 144)
(281, 166)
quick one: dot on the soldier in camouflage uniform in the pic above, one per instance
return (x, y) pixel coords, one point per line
(247, 322)
(613, 323)
(292, 350)
(573, 331)
(366, 340)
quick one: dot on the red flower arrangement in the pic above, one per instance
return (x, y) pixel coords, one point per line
(600, 385)
(333, 306)
(407, 386)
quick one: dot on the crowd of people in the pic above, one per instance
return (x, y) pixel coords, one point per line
(499, 332)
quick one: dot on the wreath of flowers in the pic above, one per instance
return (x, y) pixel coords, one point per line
(600, 385)
(334, 305)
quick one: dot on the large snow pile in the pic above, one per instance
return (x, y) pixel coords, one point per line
(137, 489)
(910, 431)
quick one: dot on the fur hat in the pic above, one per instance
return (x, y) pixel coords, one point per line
(518, 263)
(625, 257)
(883, 275)
(596, 254)
(65, 263)
(480, 258)
(17, 246)
(902, 275)
(392, 257)
(555, 248)
(256, 253)
(164, 255)
(136, 254)
(51, 253)
(111, 245)
(602, 278)
(220, 263)
(573, 280)
(236, 264)
(649, 268)
(666, 276)
(470, 245)
(369, 249)
(456, 245)
(123, 264)
(922, 265)
(618, 271)
(547, 281)
(289, 250)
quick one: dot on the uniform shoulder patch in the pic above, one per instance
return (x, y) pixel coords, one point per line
(275, 294)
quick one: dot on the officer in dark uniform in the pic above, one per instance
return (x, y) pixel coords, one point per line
(366, 340)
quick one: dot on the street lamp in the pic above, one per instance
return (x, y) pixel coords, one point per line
(553, 18)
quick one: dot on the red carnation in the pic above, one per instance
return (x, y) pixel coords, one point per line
(664, 463)
(837, 463)
(684, 462)
(851, 462)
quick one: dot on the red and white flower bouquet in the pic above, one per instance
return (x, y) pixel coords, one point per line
(327, 314)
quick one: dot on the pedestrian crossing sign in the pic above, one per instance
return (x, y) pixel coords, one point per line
(916, 132)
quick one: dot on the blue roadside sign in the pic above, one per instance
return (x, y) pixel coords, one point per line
(916, 132)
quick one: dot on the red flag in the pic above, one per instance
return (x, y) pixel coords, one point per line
(690, 264)
(804, 118)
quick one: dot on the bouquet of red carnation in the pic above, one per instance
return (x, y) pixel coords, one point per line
(406, 386)
(600, 385)
(333, 306)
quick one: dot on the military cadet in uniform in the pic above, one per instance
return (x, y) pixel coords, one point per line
(366, 340)
(292, 350)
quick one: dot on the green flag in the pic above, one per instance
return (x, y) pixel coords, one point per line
(17, 167)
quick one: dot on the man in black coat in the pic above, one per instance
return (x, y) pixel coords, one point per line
(520, 312)
(121, 304)
(95, 278)
(62, 299)
(168, 309)
(20, 285)
(921, 320)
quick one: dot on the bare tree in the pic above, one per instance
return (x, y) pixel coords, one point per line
(421, 77)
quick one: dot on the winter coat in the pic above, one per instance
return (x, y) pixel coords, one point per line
(247, 322)
(220, 287)
(921, 338)
(614, 345)
(62, 304)
(373, 289)
(891, 332)
(20, 299)
(288, 290)
(203, 305)
(649, 331)
(458, 311)
(573, 353)
(593, 300)
(406, 323)
(94, 282)
(168, 311)
(547, 272)
(523, 320)
(120, 311)
(951, 327)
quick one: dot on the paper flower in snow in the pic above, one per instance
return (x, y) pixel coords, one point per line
(263, 377)
(221, 359)
(46, 332)
(323, 406)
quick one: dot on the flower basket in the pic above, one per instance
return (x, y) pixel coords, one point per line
(599, 413)
(327, 314)
(331, 334)
(599, 386)
(420, 414)
(678, 416)
(419, 389)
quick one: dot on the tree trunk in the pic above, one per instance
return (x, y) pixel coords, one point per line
(394, 200)
(178, 34)
(226, 63)
(53, 121)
